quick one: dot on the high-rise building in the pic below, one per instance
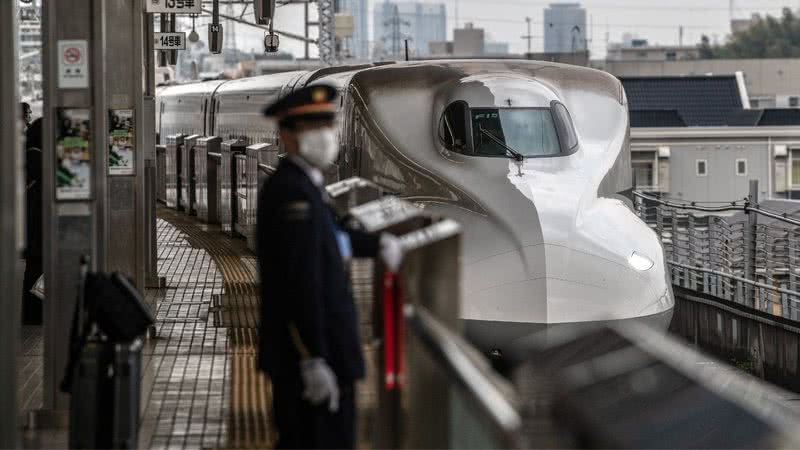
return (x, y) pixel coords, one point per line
(358, 45)
(564, 28)
(420, 23)
(30, 47)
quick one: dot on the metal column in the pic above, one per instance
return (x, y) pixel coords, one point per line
(74, 224)
(750, 244)
(148, 144)
(124, 80)
(11, 229)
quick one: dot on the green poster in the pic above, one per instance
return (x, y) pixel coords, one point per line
(73, 161)
(120, 142)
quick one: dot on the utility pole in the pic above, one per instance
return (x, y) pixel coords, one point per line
(528, 36)
(395, 34)
(327, 33)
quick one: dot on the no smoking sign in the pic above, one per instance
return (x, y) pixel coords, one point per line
(73, 67)
(72, 55)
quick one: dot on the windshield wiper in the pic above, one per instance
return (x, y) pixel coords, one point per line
(517, 156)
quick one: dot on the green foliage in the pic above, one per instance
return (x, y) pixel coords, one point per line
(768, 37)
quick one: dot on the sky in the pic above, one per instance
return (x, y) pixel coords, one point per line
(504, 20)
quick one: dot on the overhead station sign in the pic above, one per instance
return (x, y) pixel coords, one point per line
(174, 6)
(169, 41)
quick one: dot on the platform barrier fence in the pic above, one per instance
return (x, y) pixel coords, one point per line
(752, 259)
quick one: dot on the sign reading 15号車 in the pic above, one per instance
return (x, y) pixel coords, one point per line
(174, 6)
(169, 41)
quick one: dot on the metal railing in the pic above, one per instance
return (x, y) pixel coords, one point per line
(485, 400)
(733, 257)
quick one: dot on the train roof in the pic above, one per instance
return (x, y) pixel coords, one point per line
(571, 82)
(261, 83)
(191, 89)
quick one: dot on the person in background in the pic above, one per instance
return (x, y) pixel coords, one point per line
(309, 343)
(27, 115)
(32, 305)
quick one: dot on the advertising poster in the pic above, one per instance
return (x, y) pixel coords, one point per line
(73, 164)
(120, 147)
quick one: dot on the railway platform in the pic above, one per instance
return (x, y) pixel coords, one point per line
(200, 386)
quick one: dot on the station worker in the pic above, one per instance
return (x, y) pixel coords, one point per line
(309, 341)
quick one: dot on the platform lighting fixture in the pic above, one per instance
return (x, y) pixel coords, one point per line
(193, 36)
(640, 262)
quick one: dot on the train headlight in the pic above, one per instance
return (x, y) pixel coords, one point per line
(640, 262)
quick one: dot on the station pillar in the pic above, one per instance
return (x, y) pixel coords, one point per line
(11, 223)
(126, 132)
(97, 125)
(73, 174)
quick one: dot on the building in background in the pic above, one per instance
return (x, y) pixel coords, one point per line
(468, 42)
(496, 48)
(770, 83)
(695, 138)
(419, 23)
(564, 28)
(739, 25)
(356, 46)
(30, 56)
(641, 50)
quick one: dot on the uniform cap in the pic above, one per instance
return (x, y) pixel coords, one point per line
(310, 102)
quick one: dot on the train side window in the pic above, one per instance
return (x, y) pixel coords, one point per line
(564, 127)
(453, 126)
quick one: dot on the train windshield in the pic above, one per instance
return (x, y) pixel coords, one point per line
(527, 131)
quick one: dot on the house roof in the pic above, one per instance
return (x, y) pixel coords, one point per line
(656, 118)
(779, 116)
(695, 100)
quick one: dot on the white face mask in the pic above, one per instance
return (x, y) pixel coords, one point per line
(318, 147)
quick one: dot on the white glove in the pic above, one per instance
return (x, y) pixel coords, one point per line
(391, 251)
(320, 383)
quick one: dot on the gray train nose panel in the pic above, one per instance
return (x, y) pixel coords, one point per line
(499, 339)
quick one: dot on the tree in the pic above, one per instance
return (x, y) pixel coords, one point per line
(768, 37)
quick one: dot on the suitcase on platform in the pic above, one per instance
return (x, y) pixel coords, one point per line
(104, 409)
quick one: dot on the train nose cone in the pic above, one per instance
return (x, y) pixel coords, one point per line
(559, 260)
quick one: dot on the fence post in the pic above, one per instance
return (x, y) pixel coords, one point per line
(750, 235)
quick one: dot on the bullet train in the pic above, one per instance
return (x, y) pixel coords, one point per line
(532, 158)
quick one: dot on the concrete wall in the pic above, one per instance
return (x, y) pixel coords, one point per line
(721, 183)
(720, 147)
(764, 345)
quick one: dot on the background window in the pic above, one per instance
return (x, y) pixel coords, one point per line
(702, 167)
(643, 164)
(796, 167)
(741, 167)
(794, 102)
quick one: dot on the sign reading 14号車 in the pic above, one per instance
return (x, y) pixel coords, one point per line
(169, 41)
(174, 6)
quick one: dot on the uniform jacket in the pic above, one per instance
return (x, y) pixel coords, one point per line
(307, 307)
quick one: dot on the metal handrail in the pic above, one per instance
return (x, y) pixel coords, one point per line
(744, 262)
(736, 278)
(450, 350)
(269, 170)
(692, 206)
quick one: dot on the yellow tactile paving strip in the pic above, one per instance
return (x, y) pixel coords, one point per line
(236, 310)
